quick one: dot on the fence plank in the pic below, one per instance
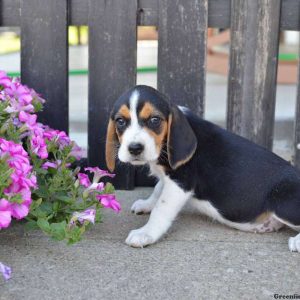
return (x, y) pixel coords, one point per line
(182, 52)
(218, 13)
(112, 70)
(78, 12)
(297, 120)
(148, 12)
(9, 12)
(44, 56)
(290, 15)
(253, 69)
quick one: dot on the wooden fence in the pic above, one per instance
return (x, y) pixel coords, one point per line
(182, 28)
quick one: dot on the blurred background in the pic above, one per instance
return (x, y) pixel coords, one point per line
(216, 81)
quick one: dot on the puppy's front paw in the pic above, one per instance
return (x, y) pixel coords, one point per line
(294, 243)
(141, 207)
(139, 238)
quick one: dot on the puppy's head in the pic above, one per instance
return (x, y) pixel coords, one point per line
(141, 124)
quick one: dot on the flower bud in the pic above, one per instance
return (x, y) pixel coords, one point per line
(76, 171)
(23, 128)
(76, 184)
(85, 193)
(3, 128)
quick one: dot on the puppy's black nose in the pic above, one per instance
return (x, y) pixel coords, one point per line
(135, 148)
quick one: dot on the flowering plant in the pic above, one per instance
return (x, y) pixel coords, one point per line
(37, 182)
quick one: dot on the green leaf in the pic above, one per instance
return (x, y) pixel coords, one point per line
(44, 225)
(98, 216)
(58, 230)
(42, 192)
(35, 204)
(44, 211)
(64, 198)
(55, 206)
(109, 188)
(38, 106)
(42, 171)
(30, 225)
(16, 199)
(74, 234)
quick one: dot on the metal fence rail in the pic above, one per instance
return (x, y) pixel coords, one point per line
(182, 25)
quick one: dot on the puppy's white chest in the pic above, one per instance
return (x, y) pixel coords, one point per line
(156, 171)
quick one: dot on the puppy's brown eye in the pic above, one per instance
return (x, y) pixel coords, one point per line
(154, 121)
(121, 123)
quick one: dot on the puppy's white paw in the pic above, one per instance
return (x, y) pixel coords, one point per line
(294, 243)
(141, 207)
(139, 238)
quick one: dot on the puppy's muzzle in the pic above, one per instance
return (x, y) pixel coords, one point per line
(135, 148)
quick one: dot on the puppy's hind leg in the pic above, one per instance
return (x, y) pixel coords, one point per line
(294, 242)
(144, 206)
(288, 213)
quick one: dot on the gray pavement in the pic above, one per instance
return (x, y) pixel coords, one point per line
(198, 259)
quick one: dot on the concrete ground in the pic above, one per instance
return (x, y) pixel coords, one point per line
(198, 259)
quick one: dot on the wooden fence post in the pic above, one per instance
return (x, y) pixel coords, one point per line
(182, 52)
(297, 120)
(112, 70)
(44, 56)
(253, 69)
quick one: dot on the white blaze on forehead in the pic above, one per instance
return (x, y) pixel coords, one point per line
(133, 101)
(183, 108)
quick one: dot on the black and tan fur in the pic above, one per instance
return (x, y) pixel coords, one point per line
(243, 182)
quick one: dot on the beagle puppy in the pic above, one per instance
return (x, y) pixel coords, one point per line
(225, 176)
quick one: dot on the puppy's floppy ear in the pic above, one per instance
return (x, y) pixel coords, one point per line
(182, 142)
(111, 145)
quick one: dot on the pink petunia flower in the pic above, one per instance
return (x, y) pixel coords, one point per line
(53, 165)
(94, 186)
(12, 148)
(98, 186)
(49, 133)
(22, 181)
(84, 179)
(16, 106)
(59, 137)
(109, 201)
(5, 270)
(49, 164)
(63, 138)
(5, 213)
(39, 146)
(20, 211)
(81, 217)
(98, 173)
(2, 96)
(5, 81)
(76, 151)
(18, 91)
(37, 96)
(28, 119)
